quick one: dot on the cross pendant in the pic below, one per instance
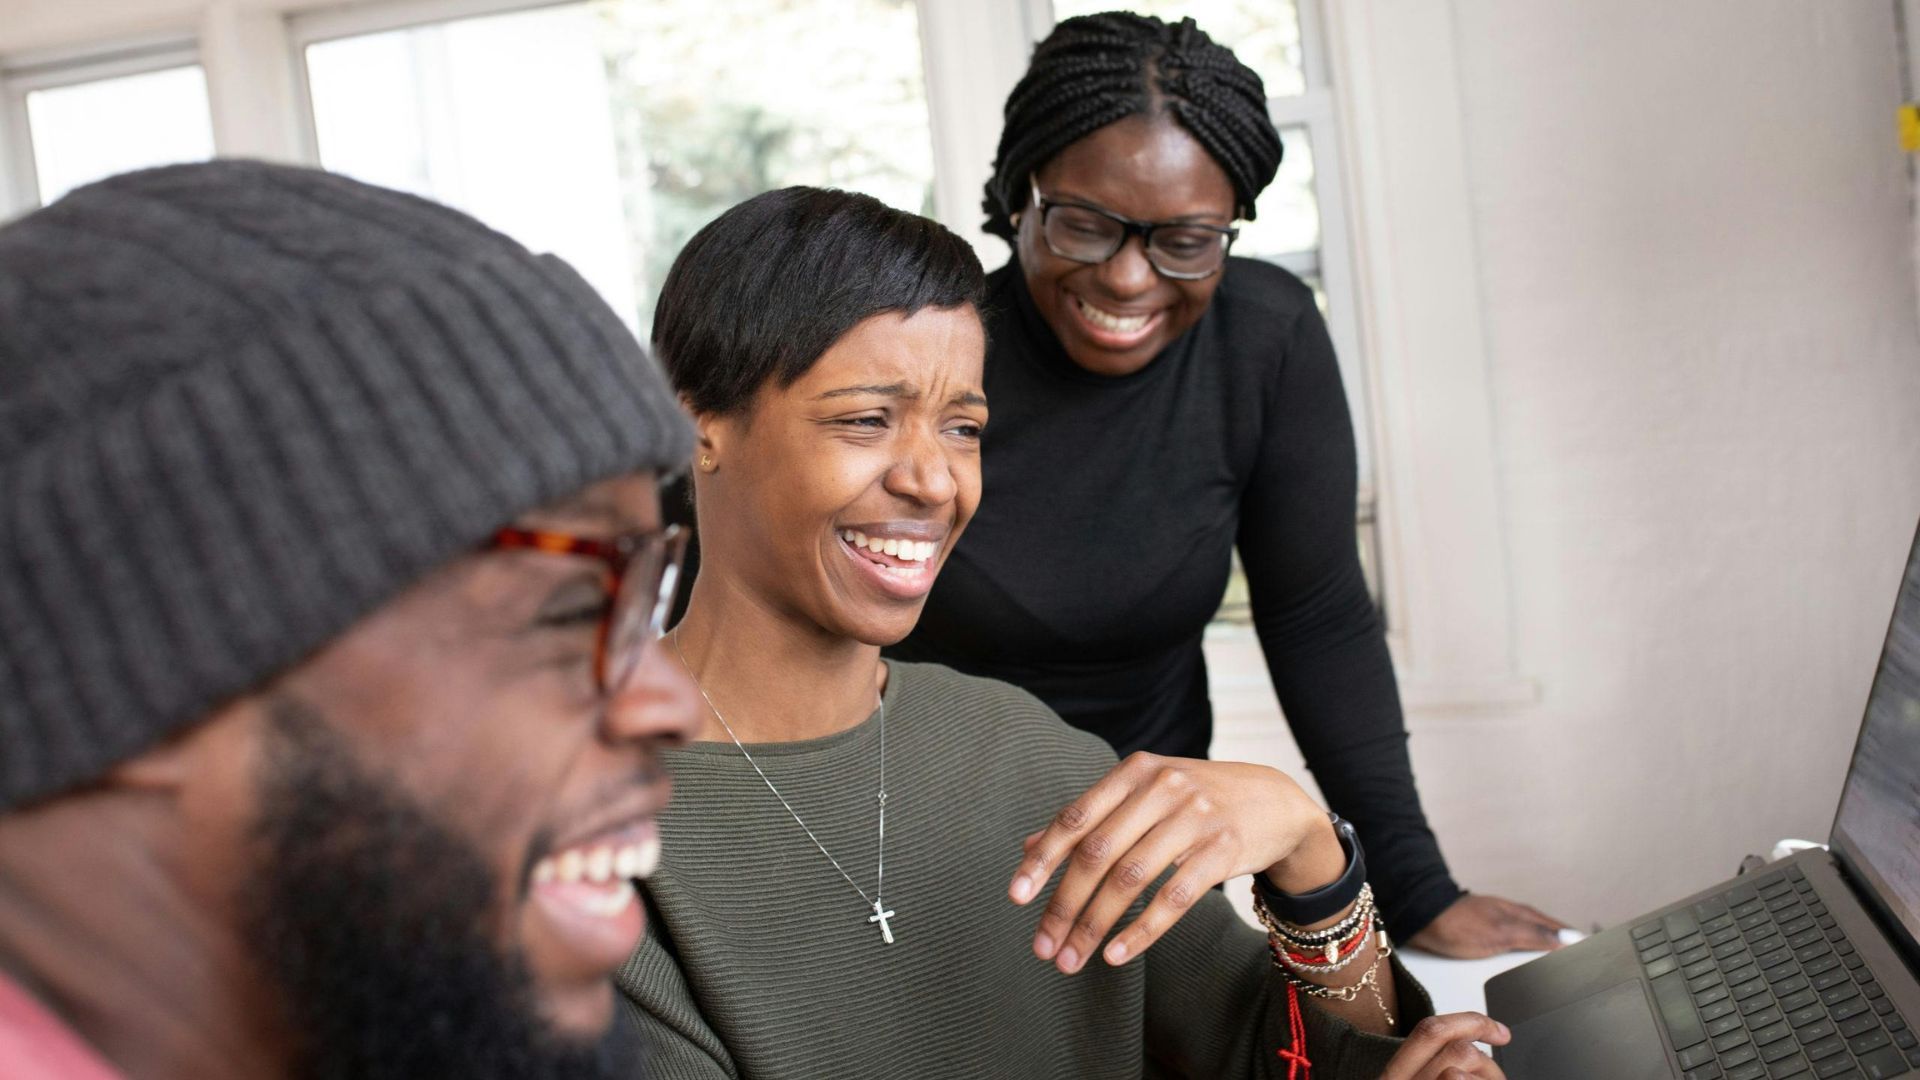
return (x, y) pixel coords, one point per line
(881, 917)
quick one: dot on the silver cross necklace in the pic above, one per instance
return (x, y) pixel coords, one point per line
(877, 906)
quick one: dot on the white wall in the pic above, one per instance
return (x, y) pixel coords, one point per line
(1708, 391)
(1690, 233)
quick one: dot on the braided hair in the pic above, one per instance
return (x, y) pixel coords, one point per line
(1096, 69)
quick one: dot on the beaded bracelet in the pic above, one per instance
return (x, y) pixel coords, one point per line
(1363, 923)
(1314, 940)
(1334, 957)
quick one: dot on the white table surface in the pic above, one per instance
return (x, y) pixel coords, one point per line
(1460, 985)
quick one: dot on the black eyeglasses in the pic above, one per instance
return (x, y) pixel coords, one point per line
(1088, 234)
(644, 568)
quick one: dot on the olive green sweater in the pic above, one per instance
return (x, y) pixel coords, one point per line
(760, 961)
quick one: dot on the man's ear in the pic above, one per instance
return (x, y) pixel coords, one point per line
(171, 765)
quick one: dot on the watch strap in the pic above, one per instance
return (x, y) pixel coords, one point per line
(1304, 909)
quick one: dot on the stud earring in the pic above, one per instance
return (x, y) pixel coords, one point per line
(706, 461)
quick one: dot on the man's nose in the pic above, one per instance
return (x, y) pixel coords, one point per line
(658, 702)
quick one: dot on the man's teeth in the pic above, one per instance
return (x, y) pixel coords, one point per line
(1107, 320)
(600, 866)
(904, 550)
(608, 904)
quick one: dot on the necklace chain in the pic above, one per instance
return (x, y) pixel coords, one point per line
(880, 858)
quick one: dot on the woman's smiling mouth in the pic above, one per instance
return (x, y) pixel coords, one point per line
(903, 567)
(1112, 329)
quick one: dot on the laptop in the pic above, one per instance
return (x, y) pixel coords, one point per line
(1804, 968)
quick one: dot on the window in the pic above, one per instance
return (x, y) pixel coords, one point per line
(506, 117)
(609, 131)
(1300, 222)
(86, 119)
(716, 103)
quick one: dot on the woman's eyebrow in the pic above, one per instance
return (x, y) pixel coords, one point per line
(1201, 217)
(892, 390)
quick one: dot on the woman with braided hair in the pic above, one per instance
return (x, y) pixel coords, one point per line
(1157, 404)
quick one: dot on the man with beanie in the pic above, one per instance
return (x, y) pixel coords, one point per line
(330, 566)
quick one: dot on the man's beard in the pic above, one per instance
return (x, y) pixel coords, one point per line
(374, 921)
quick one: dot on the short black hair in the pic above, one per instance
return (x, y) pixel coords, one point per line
(1096, 69)
(771, 284)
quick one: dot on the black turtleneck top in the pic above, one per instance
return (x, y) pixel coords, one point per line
(1103, 544)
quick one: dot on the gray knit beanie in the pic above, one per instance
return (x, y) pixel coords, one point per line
(241, 406)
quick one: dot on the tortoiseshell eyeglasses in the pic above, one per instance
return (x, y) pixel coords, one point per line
(644, 569)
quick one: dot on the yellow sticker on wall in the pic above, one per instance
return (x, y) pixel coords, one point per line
(1910, 127)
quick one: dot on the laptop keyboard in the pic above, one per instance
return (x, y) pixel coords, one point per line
(1761, 982)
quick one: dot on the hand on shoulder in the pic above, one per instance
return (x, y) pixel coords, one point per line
(1214, 820)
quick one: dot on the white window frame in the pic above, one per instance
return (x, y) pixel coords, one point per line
(1314, 109)
(1442, 525)
(26, 73)
(306, 29)
(972, 53)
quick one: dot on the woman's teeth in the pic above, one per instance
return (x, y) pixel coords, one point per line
(601, 865)
(1107, 320)
(904, 550)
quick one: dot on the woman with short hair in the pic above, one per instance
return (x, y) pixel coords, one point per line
(863, 859)
(1158, 406)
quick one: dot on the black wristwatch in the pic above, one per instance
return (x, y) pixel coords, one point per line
(1304, 909)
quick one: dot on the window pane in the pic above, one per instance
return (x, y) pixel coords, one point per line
(1289, 213)
(718, 102)
(609, 132)
(90, 131)
(1264, 34)
(505, 117)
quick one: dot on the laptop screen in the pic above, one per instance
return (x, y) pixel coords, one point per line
(1876, 831)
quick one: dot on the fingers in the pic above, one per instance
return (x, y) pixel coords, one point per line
(1202, 870)
(1146, 814)
(1130, 873)
(1540, 916)
(1477, 926)
(1108, 868)
(1551, 925)
(1072, 824)
(1441, 1048)
(1526, 928)
(1485, 1069)
(1525, 935)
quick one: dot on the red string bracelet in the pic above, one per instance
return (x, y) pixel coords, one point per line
(1342, 950)
(1295, 1053)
